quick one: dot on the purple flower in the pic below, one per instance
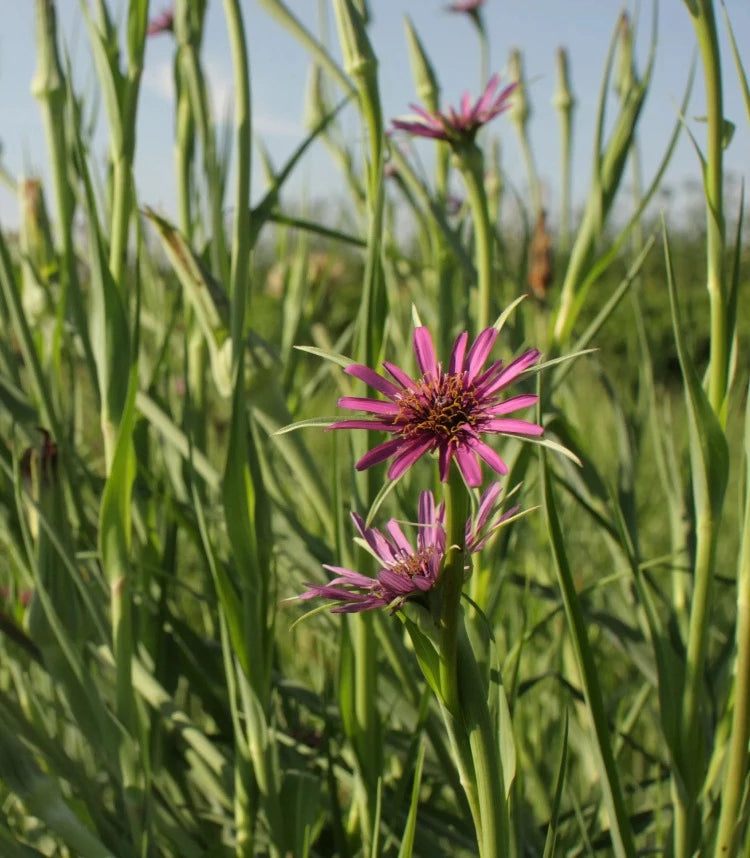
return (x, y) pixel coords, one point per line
(406, 573)
(468, 6)
(447, 411)
(458, 127)
(162, 23)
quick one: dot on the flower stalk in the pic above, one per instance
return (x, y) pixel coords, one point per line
(470, 162)
(704, 21)
(452, 579)
(737, 747)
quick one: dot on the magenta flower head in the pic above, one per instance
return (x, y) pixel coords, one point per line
(406, 573)
(162, 23)
(467, 6)
(458, 127)
(447, 411)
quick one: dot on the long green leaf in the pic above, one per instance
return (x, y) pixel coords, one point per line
(622, 835)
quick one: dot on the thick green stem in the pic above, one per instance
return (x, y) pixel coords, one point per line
(737, 748)
(462, 756)
(452, 579)
(736, 773)
(471, 164)
(494, 835)
(691, 761)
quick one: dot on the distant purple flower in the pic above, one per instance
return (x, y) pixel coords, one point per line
(443, 411)
(162, 23)
(458, 127)
(469, 6)
(406, 573)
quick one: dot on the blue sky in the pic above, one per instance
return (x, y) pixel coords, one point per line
(279, 70)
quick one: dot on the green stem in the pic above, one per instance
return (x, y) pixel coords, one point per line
(183, 158)
(188, 37)
(241, 232)
(48, 87)
(494, 834)
(691, 761)
(484, 59)
(737, 756)
(120, 216)
(462, 756)
(564, 102)
(580, 260)
(471, 164)
(737, 749)
(452, 579)
(705, 29)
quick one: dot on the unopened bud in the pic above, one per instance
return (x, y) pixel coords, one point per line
(425, 79)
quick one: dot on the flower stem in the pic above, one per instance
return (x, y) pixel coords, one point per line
(471, 165)
(734, 778)
(452, 577)
(705, 30)
(493, 837)
(686, 820)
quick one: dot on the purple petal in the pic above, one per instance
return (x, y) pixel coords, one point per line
(362, 403)
(369, 376)
(456, 364)
(515, 427)
(429, 118)
(468, 466)
(514, 369)
(397, 535)
(399, 584)
(375, 539)
(445, 454)
(515, 403)
(426, 517)
(486, 97)
(405, 459)
(479, 352)
(425, 352)
(366, 604)
(328, 592)
(419, 130)
(489, 456)
(487, 504)
(401, 377)
(348, 576)
(483, 382)
(465, 105)
(379, 454)
(423, 583)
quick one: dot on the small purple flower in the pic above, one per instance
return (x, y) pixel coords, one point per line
(162, 23)
(458, 127)
(447, 411)
(406, 573)
(468, 6)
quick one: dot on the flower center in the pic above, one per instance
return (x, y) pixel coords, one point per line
(410, 565)
(439, 407)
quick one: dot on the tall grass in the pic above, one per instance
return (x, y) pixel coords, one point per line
(583, 691)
